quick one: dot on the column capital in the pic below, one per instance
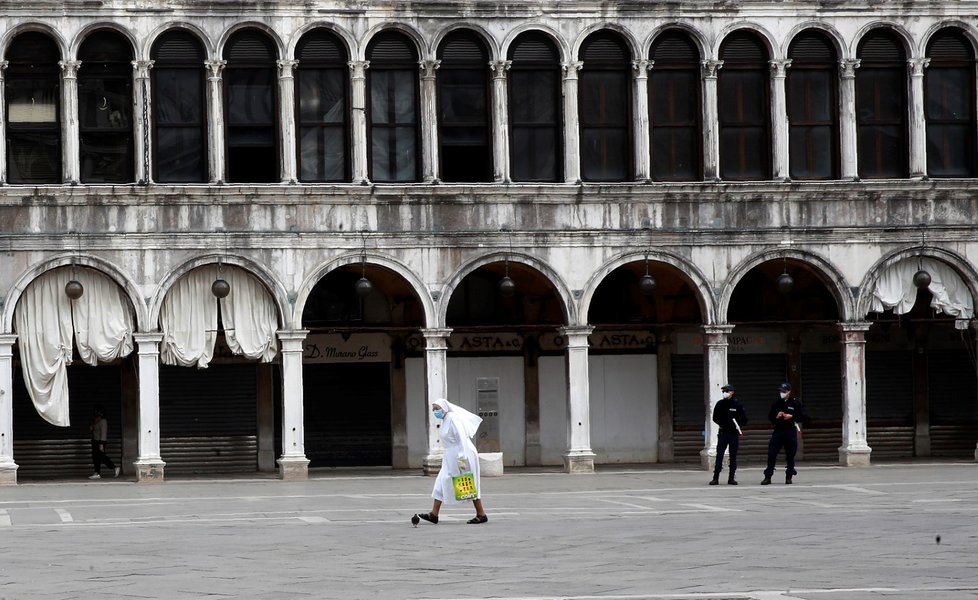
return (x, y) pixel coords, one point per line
(69, 68)
(576, 335)
(142, 68)
(214, 69)
(436, 338)
(3, 66)
(499, 68)
(853, 332)
(917, 66)
(359, 68)
(428, 68)
(779, 67)
(292, 339)
(147, 338)
(854, 326)
(718, 329)
(7, 345)
(848, 67)
(570, 69)
(285, 68)
(641, 68)
(709, 68)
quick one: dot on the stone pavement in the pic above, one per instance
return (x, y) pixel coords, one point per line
(660, 532)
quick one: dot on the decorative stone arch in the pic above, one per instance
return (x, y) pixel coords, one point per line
(410, 32)
(765, 36)
(555, 36)
(355, 258)
(271, 33)
(702, 45)
(838, 42)
(352, 51)
(9, 35)
(956, 261)
(633, 46)
(967, 30)
(829, 274)
(91, 28)
(165, 28)
(902, 34)
(570, 307)
(702, 287)
(99, 264)
(491, 42)
(271, 283)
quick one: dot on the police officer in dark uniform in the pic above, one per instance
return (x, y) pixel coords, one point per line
(730, 415)
(787, 415)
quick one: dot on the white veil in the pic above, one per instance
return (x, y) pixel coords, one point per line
(466, 422)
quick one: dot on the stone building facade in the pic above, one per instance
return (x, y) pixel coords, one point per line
(579, 218)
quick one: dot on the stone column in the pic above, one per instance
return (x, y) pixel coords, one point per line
(854, 451)
(69, 120)
(500, 121)
(640, 120)
(358, 108)
(715, 362)
(215, 125)
(436, 388)
(149, 464)
(429, 120)
(711, 121)
(286, 94)
(579, 457)
(918, 123)
(3, 138)
(666, 443)
(293, 463)
(847, 119)
(141, 120)
(572, 128)
(8, 468)
(779, 119)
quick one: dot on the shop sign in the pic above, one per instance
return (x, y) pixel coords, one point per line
(740, 341)
(353, 348)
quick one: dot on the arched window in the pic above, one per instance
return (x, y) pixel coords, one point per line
(322, 98)
(605, 108)
(33, 92)
(675, 109)
(949, 98)
(813, 100)
(105, 109)
(881, 106)
(465, 149)
(535, 110)
(179, 110)
(393, 114)
(251, 108)
(743, 90)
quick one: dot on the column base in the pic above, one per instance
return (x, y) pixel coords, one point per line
(854, 457)
(293, 468)
(8, 473)
(667, 451)
(708, 459)
(149, 471)
(976, 454)
(579, 462)
(431, 464)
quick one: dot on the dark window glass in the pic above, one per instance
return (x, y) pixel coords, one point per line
(812, 108)
(179, 113)
(881, 107)
(251, 109)
(675, 109)
(605, 104)
(535, 110)
(949, 96)
(743, 89)
(465, 148)
(33, 111)
(105, 109)
(322, 98)
(393, 109)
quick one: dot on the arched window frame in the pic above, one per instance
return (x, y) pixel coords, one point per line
(675, 109)
(744, 98)
(949, 105)
(33, 128)
(882, 107)
(464, 138)
(394, 131)
(605, 122)
(530, 129)
(322, 108)
(179, 108)
(812, 94)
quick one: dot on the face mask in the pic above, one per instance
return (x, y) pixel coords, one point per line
(784, 395)
(439, 414)
(728, 394)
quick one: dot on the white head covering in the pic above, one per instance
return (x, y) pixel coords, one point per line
(467, 423)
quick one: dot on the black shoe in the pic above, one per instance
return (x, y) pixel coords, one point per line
(429, 517)
(731, 481)
(715, 480)
(767, 480)
(787, 480)
(478, 520)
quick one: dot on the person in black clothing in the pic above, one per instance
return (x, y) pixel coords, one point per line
(787, 415)
(730, 415)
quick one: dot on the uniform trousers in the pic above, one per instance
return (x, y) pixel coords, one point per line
(782, 438)
(724, 441)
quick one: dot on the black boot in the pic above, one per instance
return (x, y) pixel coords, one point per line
(787, 479)
(731, 480)
(716, 479)
(767, 480)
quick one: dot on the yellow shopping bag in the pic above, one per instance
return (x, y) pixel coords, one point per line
(464, 485)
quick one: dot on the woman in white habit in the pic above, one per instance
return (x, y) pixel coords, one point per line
(457, 430)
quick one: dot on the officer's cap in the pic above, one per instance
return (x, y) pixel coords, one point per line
(785, 387)
(727, 388)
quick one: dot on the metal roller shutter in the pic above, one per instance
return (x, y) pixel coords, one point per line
(821, 388)
(756, 378)
(953, 403)
(687, 406)
(889, 403)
